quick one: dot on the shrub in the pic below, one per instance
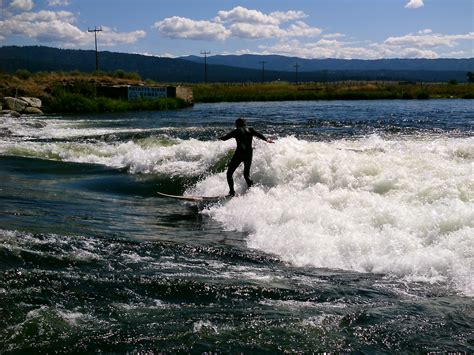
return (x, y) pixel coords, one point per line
(119, 73)
(71, 103)
(23, 74)
(132, 76)
(422, 95)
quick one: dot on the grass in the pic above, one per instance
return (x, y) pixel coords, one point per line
(75, 92)
(280, 91)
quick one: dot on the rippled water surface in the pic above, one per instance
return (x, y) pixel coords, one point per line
(357, 236)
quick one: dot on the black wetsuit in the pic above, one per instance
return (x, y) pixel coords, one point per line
(243, 153)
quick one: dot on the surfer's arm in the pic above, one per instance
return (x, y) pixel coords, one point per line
(261, 136)
(228, 136)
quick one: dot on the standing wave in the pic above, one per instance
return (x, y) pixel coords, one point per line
(400, 207)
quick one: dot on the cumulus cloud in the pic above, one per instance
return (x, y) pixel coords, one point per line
(320, 49)
(253, 31)
(59, 2)
(428, 39)
(414, 4)
(180, 27)
(239, 22)
(288, 15)
(423, 44)
(240, 14)
(58, 27)
(23, 5)
(110, 37)
(301, 29)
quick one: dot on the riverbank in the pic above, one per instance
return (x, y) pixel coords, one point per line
(283, 91)
(76, 92)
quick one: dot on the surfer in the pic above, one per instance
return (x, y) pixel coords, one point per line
(243, 153)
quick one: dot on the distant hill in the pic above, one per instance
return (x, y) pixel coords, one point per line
(282, 63)
(245, 68)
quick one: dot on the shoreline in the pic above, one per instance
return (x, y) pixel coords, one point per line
(78, 92)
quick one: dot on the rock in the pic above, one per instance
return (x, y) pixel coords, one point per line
(9, 113)
(14, 104)
(32, 111)
(32, 101)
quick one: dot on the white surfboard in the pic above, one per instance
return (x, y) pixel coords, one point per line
(194, 198)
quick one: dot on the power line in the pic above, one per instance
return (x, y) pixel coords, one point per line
(296, 66)
(205, 64)
(263, 70)
(95, 30)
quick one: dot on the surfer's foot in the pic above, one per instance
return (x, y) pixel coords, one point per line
(249, 184)
(231, 194)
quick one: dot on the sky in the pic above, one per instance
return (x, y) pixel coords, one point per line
(346, 29)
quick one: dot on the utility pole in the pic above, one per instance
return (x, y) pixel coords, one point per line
(296, 66)
(95, 30)
(205, 64)
(263, 71)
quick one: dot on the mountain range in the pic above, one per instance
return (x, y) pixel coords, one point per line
(282, 63)
(235, 68)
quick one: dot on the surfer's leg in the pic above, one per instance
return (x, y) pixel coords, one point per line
(247, 164)
(234, 163)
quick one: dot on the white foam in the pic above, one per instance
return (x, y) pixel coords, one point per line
(204, 325)
(397, 207)
(179, 158)
(57, 128)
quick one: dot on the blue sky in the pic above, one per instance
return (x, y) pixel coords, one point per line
(362, 29)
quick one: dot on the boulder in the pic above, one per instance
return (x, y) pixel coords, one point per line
(14, 104)
(31, 101)
(32, 111)
(9, 113)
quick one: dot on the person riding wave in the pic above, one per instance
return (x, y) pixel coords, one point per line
(244, 151)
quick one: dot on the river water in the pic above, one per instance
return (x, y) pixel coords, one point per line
(357, 236)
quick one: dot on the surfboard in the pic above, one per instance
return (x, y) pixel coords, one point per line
(195, 198)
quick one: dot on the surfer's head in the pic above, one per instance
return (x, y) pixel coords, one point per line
(240, 122)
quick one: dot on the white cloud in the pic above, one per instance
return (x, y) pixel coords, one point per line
(455, 54)
(427, 39)
(414, 4)
(239, 22)
(333, 35)
(425, 31)
(301, 29)
(288, 15)
(262, 31)
(43, 16)
(59, 2)
(333, 48)
(320, 49)
(180, 27)
(111, 38)
(256, 31)
(24, 5)
(58, 27)
(240, 14)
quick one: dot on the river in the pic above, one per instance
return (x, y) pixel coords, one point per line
(358, 234)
